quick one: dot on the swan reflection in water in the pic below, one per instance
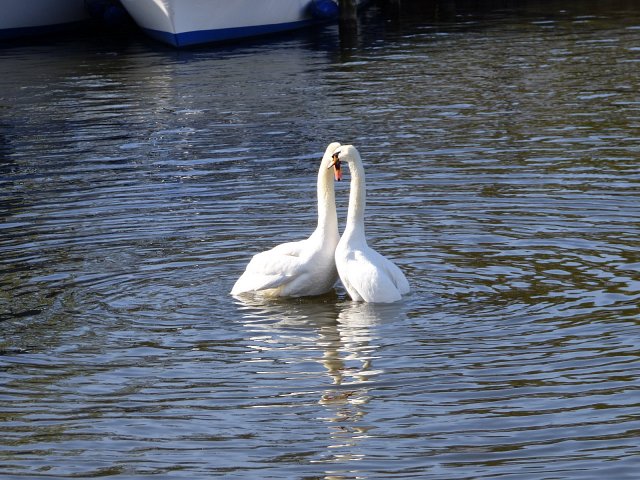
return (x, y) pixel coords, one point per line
(345, 338)
(349, 357)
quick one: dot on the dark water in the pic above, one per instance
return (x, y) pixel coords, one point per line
(501, 149)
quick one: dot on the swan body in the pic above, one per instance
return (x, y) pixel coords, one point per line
(306, 267)
(366, 275)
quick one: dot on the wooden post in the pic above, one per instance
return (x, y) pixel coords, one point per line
(393, 7)
(348, 24)
(348, 9)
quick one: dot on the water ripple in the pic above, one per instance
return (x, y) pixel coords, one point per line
(502, 178)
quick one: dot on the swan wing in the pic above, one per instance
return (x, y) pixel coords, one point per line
(271, 269)
(390, 269)
(397, 277)
(367, 272)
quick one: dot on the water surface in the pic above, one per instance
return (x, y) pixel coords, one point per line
(501, 150)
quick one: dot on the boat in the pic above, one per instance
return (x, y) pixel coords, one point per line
(182, 23)
(23, 18)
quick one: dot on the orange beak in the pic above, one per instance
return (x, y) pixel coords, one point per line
(337, 172)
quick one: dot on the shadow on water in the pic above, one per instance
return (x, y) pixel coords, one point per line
(404, 18)
(466, 11)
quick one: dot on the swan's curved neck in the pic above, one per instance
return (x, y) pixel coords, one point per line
(357, 199)
(327, 216)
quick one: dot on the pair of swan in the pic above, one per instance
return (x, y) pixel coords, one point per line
(312, 266)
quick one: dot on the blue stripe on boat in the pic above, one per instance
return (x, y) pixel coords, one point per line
(186, 39)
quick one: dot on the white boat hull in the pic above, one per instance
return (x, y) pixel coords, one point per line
(190, 22)
(19, 18)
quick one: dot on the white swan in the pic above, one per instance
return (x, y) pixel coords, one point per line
(367, 275)
(307, 267)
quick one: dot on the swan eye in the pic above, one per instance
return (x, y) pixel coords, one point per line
(336, 166)
(336, 161)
